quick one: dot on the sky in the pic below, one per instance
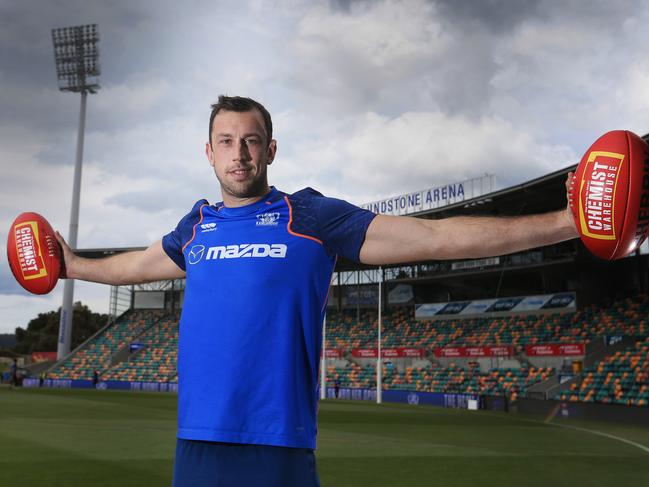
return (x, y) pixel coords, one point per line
(370, 99)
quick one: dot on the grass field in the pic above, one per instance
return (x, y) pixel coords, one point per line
(69, 438)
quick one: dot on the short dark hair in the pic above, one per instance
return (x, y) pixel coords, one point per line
(241, 104)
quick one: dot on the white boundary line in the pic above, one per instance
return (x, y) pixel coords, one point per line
(606, 435)
(548, 421)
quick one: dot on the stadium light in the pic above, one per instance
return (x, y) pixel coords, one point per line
(76, 53)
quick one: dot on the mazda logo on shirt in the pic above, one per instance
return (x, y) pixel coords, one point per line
(196, 254)
(237, 251)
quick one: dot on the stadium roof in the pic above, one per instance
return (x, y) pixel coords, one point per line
(540, 195)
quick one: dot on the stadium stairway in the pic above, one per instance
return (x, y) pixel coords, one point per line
(36, 369)
(124, 353)
(596, 352)
(620, 378)
(156, 361)
(540, 389)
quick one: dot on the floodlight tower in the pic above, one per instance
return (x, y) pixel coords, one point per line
(77, 68)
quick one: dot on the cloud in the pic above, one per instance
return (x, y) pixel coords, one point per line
(382, 156)
(349, 60)
(8, 285)
(389, 57)
(497, 16)
(570, 74)
(17, 309)
(13, 310)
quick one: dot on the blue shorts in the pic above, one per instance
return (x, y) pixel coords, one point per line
(210, 464)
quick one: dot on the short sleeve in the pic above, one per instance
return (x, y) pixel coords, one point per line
(174, 241)
(340, 225)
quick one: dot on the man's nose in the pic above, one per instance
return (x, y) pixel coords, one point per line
(243, 153)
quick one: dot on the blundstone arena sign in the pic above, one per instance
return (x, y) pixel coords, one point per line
(432, 198)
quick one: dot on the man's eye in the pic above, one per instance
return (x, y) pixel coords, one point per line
(252, 141)
(225, 141)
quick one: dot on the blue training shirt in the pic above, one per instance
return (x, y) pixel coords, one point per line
(251, 325)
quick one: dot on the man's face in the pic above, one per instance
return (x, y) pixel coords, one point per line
(240, 153)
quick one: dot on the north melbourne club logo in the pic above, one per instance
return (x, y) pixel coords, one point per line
(267, 219)
(196, 254)
(208, 227)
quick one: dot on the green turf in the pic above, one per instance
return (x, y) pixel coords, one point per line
(101, 438)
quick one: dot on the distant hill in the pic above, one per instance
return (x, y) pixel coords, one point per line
(7, 340)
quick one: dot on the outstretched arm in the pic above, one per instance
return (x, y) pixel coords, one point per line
(152, 264)
(393, 239)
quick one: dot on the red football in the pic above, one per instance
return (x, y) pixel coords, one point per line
(33, 253)
(610, 195)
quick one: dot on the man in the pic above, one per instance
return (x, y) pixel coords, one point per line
(258, 267)
(13, 369)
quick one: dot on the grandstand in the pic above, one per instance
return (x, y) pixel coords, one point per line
(620, 378)
(592, 347)
(99, 352)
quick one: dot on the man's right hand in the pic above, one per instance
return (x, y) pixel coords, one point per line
(68, 256)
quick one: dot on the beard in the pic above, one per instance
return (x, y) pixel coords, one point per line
(249, 188)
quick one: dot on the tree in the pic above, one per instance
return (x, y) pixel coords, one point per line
(42, 332)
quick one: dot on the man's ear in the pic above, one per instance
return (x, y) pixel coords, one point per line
(272, 150)
(209, 153)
